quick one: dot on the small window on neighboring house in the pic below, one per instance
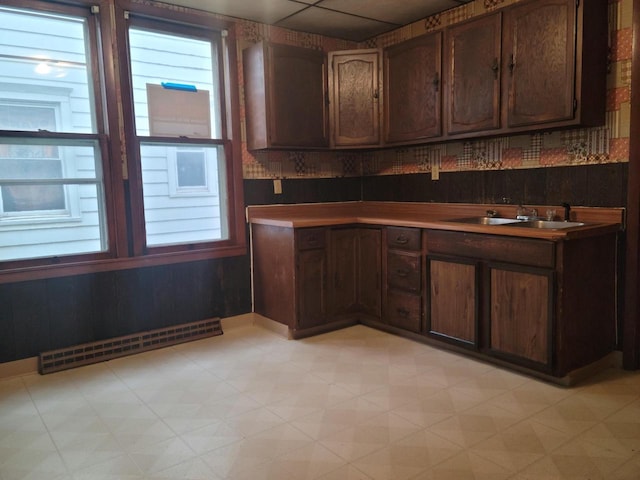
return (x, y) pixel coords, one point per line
(29, 162)
(192, 171)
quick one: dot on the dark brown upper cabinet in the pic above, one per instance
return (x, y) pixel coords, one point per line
(412, 73)
(554, 64)
(355, 98)
(472, 93)
(285, 97)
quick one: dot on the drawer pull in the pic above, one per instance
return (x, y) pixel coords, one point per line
(403, 312)
(402, 240)
(312, 240)
(402, 273)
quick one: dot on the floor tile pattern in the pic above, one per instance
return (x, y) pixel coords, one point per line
(356, 404)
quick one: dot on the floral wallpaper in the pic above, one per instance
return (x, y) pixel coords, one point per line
(606, 144)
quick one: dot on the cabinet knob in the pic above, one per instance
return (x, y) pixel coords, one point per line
(495, 66)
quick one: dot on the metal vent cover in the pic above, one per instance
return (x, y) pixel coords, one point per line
(95, 352)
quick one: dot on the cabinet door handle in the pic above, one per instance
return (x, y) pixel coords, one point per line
(376, 95)
(512, 63)
(436, 81)
(495, 66)
(401, 239)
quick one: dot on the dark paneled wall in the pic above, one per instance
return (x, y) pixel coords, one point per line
(54, 313)
(43, 315)
(589, 185)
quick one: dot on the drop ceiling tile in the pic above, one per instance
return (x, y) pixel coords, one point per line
(335, 24)
(263, 11)
(389, 10)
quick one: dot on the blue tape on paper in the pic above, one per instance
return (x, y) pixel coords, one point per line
(179, 86)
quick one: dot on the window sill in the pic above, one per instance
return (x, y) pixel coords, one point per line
(95, 266)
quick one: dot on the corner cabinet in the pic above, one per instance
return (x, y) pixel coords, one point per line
(285, 97)
(355, 97)
(316, 279)
(412, 85)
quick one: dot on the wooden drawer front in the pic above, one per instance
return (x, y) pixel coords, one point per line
(404, 310)
(403, 271)
(403, 238)
(311, 238)
(522, 251)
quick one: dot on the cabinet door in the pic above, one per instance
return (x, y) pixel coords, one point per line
(519, 311)
(355, 98)
(539, 62)
(453, 300)
(285, 97)
(473, 75)
(312, 282)
(355, 265)
(344, 270)
(298, 97)
(369, 271)
(412, 89)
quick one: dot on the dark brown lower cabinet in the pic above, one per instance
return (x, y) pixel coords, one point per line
(312, 287)
(403, 305)
(316, 279)
(453, 300)
(547, 306)
(404, 310)
(355, 265)
(520, 312)
(542, 306)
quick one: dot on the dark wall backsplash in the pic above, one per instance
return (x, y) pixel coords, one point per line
(602, 185)
(303, 190)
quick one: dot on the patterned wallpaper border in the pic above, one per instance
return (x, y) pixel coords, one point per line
(606, 144)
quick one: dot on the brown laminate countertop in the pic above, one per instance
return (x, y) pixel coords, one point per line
(438, 216)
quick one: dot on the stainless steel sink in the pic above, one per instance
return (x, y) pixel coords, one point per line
(548, 224)
(485, 220)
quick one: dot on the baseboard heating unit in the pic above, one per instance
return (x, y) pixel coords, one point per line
(95, 352)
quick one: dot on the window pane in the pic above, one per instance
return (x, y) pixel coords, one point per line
(188, 103)
(188, 206)
(51, 199)
(45, 79)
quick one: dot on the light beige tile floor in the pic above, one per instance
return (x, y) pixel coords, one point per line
(356, 404)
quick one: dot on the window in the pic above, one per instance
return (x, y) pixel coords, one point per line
(115, 137)
(175, 79)
(52, 196)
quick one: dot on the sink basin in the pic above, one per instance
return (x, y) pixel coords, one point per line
(548, 224)
(485, 220)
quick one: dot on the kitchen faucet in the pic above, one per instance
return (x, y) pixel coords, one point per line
(567, 211)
